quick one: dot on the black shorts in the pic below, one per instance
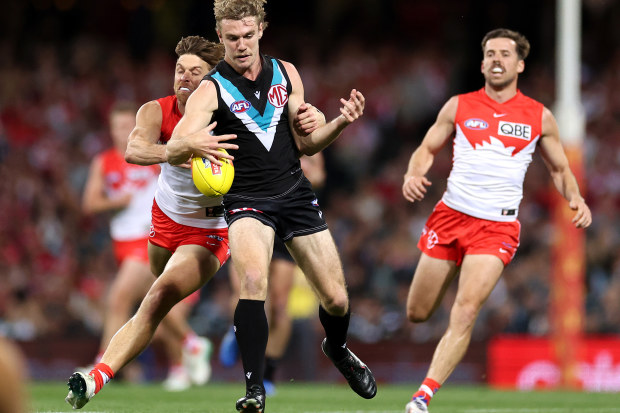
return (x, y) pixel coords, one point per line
(280, 252)
(293, 213)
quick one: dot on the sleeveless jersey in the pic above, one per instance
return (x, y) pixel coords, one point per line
(493, 148)
(176, 193)
(266, 163)
(132, 222)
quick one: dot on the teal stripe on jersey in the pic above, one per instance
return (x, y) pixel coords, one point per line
(263, 121)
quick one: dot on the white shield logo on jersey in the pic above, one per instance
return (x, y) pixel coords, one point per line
(277, 96)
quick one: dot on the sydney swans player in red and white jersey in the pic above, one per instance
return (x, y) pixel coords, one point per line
(185, 250)
(474, 228)
(127, 190)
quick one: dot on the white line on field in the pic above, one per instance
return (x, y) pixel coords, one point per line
(546, 410)
(507, 410)
(356, 411)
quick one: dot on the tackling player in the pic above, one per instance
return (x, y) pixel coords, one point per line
(127, 191)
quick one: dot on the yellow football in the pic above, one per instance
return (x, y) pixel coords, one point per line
(212, 179)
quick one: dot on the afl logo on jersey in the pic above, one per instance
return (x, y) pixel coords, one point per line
(476, 124)
(277, 95)
(240, 106)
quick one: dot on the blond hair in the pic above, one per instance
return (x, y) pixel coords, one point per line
(239, 9)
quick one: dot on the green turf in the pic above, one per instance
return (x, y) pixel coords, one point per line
(320, 398)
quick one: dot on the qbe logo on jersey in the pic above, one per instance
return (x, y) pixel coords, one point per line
(515, 130)
(277, 95)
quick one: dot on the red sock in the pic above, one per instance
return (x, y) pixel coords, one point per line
(191, 343)
(427, 390)
(102, 373)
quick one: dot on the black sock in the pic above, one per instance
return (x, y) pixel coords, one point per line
(336, 329)
(270, 368)
(251, 331)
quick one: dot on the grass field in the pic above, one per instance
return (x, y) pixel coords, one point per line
(48, 397)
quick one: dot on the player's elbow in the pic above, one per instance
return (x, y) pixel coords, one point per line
(130, 157)
(131, 153)
(304, 148)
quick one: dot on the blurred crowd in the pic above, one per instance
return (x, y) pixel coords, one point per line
(56, 262)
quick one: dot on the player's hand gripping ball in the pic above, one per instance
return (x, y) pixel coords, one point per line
(212, 179)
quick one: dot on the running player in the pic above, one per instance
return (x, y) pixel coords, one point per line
(474, 229)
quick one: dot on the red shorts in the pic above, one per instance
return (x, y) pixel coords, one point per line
(137, 249)
(193, 298)
(170, 235)
(450, 235)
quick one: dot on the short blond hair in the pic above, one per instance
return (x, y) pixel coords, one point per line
(239, 9)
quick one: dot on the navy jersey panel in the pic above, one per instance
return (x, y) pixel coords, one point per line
(267, 161)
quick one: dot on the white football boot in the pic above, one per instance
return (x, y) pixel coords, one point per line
(81, 389)
(198, 361)
(177, 380)
(416, 405)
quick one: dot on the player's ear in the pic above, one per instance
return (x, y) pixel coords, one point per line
(521, 66)
(219, 35)
(260, 30)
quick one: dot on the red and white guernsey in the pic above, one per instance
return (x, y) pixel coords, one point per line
(120, 178)
(493, 148)
(176, 193)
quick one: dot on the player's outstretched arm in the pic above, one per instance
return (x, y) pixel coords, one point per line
(142, 146)
(192, 135)
(563, 178)
(415, 181)
(322, 136)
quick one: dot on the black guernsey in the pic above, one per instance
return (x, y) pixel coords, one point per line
(267, 161)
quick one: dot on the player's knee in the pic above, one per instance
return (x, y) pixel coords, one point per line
(464, 315)
(336, 304)
(279, 315)
(254, 283)
(160, 299)
(418, 315)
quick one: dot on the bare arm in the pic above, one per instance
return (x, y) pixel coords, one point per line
(557, 164)
(192, 135)
(414, 186)
(143, 147)
(95, 199)
(323, 136)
